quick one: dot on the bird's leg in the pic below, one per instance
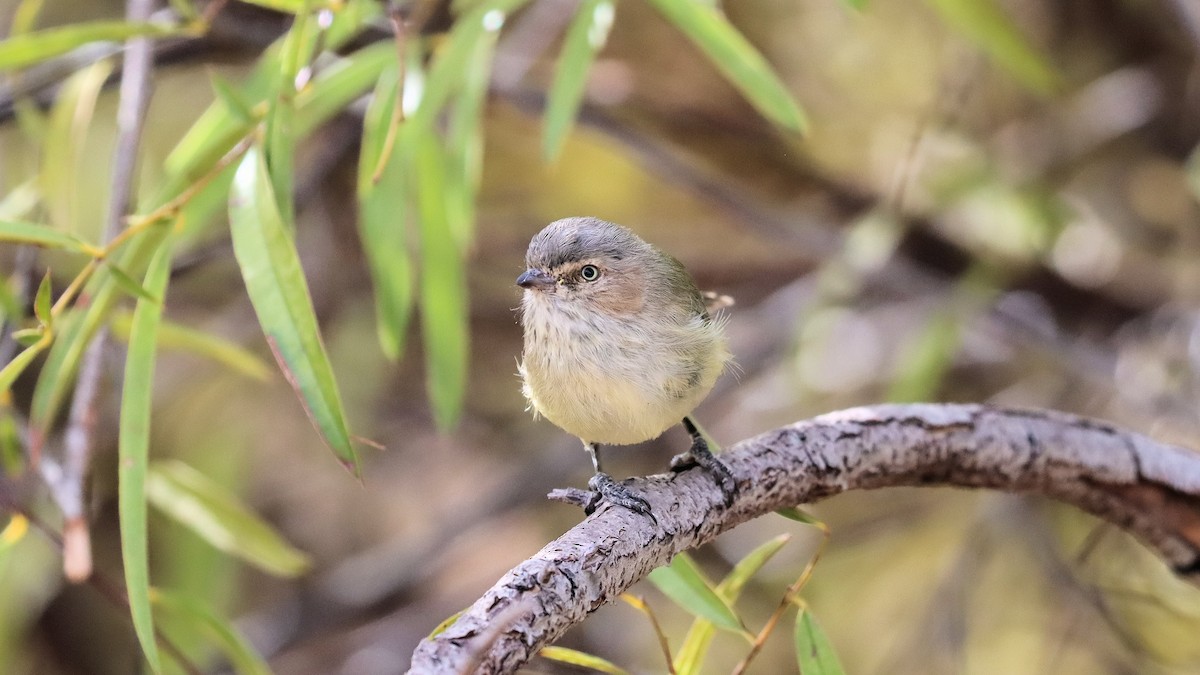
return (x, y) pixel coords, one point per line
(699, 455)
(593, 451)
(604, 487)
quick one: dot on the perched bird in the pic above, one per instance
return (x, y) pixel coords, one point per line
(619, 345)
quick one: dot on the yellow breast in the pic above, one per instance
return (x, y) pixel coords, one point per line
(614, 382)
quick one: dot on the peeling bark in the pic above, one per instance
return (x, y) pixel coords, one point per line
(1148, 488)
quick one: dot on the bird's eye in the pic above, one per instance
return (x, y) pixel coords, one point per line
(589, 273)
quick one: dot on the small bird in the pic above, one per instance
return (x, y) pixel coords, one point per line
(619, 346)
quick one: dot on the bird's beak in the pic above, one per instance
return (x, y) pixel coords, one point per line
(535, 279)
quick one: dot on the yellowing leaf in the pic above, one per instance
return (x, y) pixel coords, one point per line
(814, 652)
(581, 659)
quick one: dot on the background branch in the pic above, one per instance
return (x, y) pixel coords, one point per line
(67, 483)
(1148, 488)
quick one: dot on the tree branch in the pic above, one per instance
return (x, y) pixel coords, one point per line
(1150, 489)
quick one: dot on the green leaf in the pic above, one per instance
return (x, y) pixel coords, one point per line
(75, 328)
(185, 8)
(444, 319)
(464, 140)
(10, 309)
(340, 83)
(690, 656)
(25, 50)
(220, 128)
(814, 652)
(73, 331)
(133, 450)
(58, 371)
(12, 453)
(20, 201)
(585, 37)
(280, 141)
(984, 23)
(222, 124)
(195, 614)
(218, 517)
(275, 281)
(62, 151)
(292, 6)
(26, 337)
(731, 586)
(798, 515)
(737, 60)
(581, 659)
(453, 61)
(182, 338)
(130, 285)
(682, 582)
(25, 16)
(1193, 172)
(233, 99)
(382, 218)
(13, 369)
(41, 235)
(41, 301)
(928, 356)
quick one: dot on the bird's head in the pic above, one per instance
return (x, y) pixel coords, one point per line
(590, 264)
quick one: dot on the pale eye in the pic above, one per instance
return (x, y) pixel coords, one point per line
(589, 273)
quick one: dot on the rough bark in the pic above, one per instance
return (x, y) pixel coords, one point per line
(1148, 488)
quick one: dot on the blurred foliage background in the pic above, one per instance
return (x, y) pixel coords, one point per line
(994, 201)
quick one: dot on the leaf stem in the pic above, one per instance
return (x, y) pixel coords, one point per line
(790, 597)
(137, 224)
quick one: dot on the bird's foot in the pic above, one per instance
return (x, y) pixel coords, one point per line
(699, 455)
(613, 492)
(603, 488)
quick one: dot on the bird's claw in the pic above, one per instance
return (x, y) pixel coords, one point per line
(682, 462)
(603, 488)
(699, 455)
(616, 493)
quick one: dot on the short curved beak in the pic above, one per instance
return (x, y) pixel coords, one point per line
(535, 279)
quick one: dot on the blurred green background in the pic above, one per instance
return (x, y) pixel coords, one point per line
(994, 202)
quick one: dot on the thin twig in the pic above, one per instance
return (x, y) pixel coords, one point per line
(79, 440)
(77, 449)
(641, 605)
(790, 597)
(138, 223)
